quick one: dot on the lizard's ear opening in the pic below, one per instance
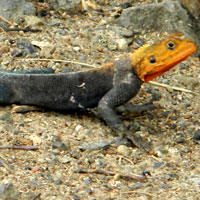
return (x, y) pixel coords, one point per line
(171, 45)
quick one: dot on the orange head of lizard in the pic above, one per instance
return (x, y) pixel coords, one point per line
(152, 61)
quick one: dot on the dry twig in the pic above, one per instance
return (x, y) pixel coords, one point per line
(8, 22)
(111, 173)
(141, 193)
(37, 196)
(32, 148)
(84, 5)
(27, 29)
(57, 60)
(172, 87)
(122, 157)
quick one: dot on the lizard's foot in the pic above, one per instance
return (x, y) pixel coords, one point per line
(129, 107)
(139, 142)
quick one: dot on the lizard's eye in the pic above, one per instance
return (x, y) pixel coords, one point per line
(152, 59)
(170, 45)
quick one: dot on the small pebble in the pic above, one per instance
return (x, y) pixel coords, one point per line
(187, 105)
(125, 5)
(7, 191)
(44, 13)
(165, 114)
(27, 167)
(100, 163)
(196, 135)
(192, 167)
(139, 42)
(58, 181)
(116, 177)
(121, 141)
(158, 164)
(180, 97)
(183, 123)
(137, 186)
(88, 190)
(112, 45)
(75, 154)
(87, 181)
(165, 81)
(180, 134)
(35, 169)
(165, 186)
(26, 47)
(195, 180)
(35, 184)
(146, 172)
(33, 20)
(173, 117)
(172, 176)
(75, 197)
(65, 159)
(21, 33)
(180, 140)
(143, 197)
(122, 44)
(173, 126)
(76, 48)
(60, 145)
(12, 41)
(123, 150)
(63, 32)
(95, 146)
(55, 22)
(82, 58)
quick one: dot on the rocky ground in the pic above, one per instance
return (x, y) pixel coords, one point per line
(72, 146)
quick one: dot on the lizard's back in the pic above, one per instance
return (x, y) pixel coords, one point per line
(74, 90)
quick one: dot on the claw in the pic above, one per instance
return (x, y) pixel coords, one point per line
(137, 141)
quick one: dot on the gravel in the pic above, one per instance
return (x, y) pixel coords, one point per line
(69, 141)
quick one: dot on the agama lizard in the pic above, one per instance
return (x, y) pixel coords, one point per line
(106, 87)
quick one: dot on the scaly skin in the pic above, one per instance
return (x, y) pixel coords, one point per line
(107, 87)
(167, 53)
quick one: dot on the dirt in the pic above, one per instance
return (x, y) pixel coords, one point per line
(53, 170)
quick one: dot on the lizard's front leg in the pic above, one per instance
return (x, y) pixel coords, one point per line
(117, 96)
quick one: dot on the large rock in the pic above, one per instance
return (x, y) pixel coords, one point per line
(8, 192)
(193, 6)
(12, 9)
(167, 16)
(70, 6)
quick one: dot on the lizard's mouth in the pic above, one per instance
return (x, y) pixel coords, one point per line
(168, 65)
